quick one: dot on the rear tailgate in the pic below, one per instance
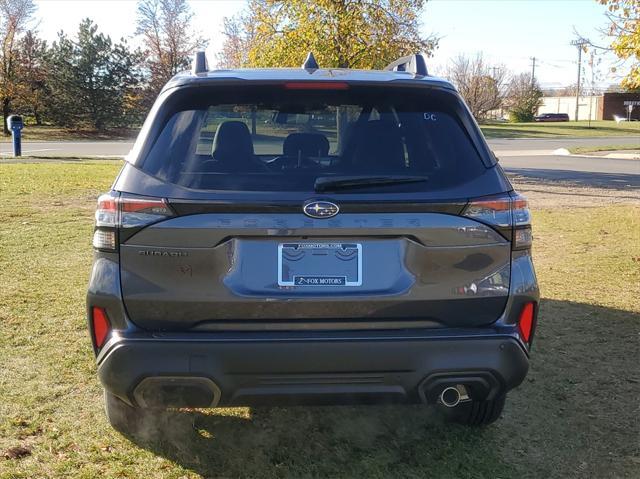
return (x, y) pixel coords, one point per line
(270, 271)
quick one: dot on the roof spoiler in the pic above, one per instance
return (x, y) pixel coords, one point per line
(200, 64)
(415, 64)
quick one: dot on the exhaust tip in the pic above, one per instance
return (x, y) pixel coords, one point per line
(176, 392)
(450, 396)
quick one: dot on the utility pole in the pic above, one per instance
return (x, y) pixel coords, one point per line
(533, 71)
(593, 79)
(580, 43)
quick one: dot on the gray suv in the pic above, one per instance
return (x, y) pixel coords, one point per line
(323, 236)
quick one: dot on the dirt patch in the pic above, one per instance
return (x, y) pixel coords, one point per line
(17, 452)
(559, 194)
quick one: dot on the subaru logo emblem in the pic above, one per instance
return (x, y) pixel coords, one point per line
(320, 209)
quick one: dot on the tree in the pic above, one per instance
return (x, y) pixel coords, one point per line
(624, 29)
(523, 98)
(165, 26)
(32, 72)
(239, 32)
(95, 80)
(481, 85)
(14, 18)
(341, 33)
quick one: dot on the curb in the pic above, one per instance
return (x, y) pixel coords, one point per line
(611, 156)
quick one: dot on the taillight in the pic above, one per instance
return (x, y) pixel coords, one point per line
(114, 212)
(525, 322)
(136, 212)
(101, 326)
(104, 236)
(508, 213)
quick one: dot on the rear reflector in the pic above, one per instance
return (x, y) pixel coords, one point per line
(525, 322)
(311, 85)
(101, 326)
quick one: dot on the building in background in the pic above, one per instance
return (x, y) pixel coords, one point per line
(607, 106)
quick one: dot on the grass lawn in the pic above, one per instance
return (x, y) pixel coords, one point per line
(576, 415)
(561, 129)
(595, 149)
(54, 133)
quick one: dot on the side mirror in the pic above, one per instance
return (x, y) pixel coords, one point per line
(495, 157)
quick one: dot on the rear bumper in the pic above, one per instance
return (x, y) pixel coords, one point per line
(204, 370)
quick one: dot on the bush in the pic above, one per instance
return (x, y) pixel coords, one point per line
(523, 99)
(520, 116)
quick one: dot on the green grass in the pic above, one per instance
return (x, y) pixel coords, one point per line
(576, 415)
(596, 149)
(55, 133)
(560, 129)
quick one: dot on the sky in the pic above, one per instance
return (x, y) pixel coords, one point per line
(506, 32)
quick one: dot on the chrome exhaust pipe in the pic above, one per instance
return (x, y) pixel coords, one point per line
(450, 396)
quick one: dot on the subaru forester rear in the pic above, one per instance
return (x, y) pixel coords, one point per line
(311, 236)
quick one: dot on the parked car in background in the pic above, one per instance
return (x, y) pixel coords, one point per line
(294, 236)
(552, 117)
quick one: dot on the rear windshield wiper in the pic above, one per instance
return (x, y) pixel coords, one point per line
(325, 183)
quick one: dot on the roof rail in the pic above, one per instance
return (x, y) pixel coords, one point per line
(200, 64)
(415, 64)
(310, 64)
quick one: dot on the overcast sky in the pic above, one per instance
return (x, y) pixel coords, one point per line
(509, 32)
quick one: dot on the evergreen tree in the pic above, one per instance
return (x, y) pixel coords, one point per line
(94, 83)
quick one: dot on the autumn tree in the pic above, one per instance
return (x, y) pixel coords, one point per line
(14, 18)
(239, 32)
(340, 33)
(32, 73)
(624, 29)
(169, 41)
(482, 85)
(94, 80)
(523, 98)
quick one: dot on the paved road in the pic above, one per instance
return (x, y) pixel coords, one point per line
(527, 157)
(502, 147)
(70, 148)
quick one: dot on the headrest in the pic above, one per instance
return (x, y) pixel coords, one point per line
(305, 144)
(232, 142)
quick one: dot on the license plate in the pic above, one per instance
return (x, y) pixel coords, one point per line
(320, 264)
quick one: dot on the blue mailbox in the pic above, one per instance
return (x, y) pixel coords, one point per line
(15, 124)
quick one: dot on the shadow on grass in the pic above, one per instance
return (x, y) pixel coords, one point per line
(574, 416)
(597, 179)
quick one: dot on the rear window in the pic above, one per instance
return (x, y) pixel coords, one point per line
(275, 139)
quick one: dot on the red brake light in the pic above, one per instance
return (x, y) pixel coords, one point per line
(101, 325)
(153, 206)
(316, 85)
(525, 322)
